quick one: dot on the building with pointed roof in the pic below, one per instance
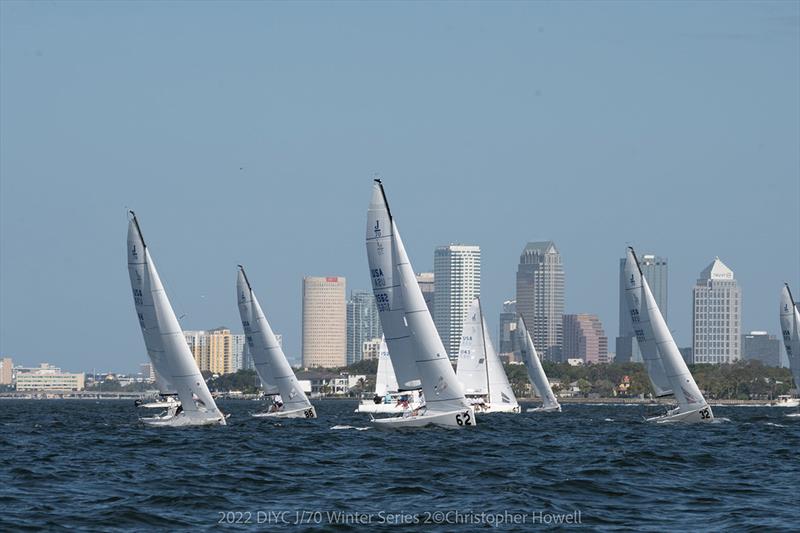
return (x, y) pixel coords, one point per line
(540, 296)
(716, 316)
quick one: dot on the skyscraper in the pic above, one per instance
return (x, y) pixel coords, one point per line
(363, 323)
(324, 322)
(457, 282)
(655, 271)
(508, 326)
(426, 285)
(218, 350)
(6, 370)
(540, 296)
(716, 315)
(585, 339)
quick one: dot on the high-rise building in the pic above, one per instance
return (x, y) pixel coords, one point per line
(217, 350)
(324, 322)
(457, 282)
(371, 349)
(508, 327)
(540, 296)
(655, 271)
(761, 346)
(585, 339)
(425, 280)
(716, 315)
(363, 323)
(147, 372)
(6, 371)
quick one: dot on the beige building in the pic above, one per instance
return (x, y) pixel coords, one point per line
(48, 377)
(6, 371)
(324, 322)
(585, 339)
(371, 349)
(217, 350)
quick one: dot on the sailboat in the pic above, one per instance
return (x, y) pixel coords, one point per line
(652, 333)
(541, 385)
(387, 398)
(479, 368)
(271, 364)
(174, 365)
(418, 355)
(790, 329)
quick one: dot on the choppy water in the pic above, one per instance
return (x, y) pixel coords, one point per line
(87, 465)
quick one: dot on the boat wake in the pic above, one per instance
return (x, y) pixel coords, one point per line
(775, 425)
(349, 427)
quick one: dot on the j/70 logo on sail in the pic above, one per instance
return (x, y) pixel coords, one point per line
(377, 228)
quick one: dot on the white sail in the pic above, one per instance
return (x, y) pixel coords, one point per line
(500, 392)
(471, 368)
(643, 329)
(180, 368)
(143, 301)
(652, 324)
(271, 364)
(790, 329)
(410, 334)
(383, 266)
(534, 367)
(385, 380)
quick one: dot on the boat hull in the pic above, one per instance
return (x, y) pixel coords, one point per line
(455, 419)
(556, 409)
(497, 408)
(791, 402)
(308, 412)
(703, 414)
(184, 420)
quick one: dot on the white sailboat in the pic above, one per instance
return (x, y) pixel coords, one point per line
(479, 368)
(651, 330)
(387, 398)
(271, 364)
(417, 352)
(790, 329)
(541, 385)
(173, 362)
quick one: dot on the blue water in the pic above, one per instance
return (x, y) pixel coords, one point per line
(91, 466)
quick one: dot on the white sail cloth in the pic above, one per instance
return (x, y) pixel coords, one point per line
(536, 373)
(790, 329)
(385, 380)
(271, 364)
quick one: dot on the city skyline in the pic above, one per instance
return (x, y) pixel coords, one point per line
(594, 126)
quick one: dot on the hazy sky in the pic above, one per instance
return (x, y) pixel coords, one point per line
(250, 132)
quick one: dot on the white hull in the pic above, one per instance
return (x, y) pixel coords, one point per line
(702, 414)
(160, 405)
(791, 402)
(308, 412)
(183, 420)
(393, 407)
(454, 419)
(489, 408)
(556, 409)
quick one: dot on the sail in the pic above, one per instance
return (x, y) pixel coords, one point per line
(270, 362)
(534, 366)
(471, 368)
(641, 326)
(388, 294)
(500, 391)
(680, 379)
(790, 329)
(385, 380)
(143, 301)
(410, 334)
(180, 368)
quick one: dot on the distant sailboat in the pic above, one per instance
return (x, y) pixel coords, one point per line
(417, 352)
(174, 365)
(790, 329)
(541, 385)
(651, 331)
(271, 364)
(479, 368)
(387, 398)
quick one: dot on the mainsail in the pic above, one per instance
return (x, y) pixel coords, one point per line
(179, 366)
(471, 368)
(271, 364)
(790, 328)
(417, 352)
(652, 326)
(634, 294)
(385, 380)
(534, 367)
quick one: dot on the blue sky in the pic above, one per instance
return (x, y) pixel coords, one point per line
(249, 133)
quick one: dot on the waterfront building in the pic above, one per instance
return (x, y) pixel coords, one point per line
(585, 339)
(48, 378)
(371, 349)
(716, 315)
(6, 371)
(324, 322)
(655, 271)
(457, 282)
(363, 323)
(217, 350)
(761, 346)
(147, 371)
(540, 296)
